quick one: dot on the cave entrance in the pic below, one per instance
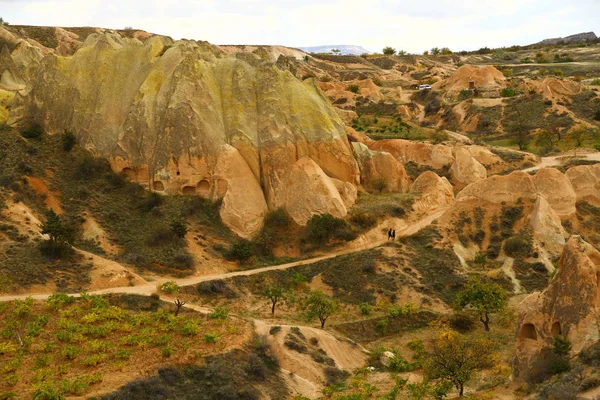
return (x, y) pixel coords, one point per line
(528, 332)
(556, 329)
(158, 186)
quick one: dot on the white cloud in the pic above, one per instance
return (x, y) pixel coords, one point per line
(414, 26)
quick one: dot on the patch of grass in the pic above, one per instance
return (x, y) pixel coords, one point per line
(369, 330)
(533, 276)
(379, 206)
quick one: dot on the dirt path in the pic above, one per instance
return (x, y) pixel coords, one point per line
(371, 239)
(553, 161)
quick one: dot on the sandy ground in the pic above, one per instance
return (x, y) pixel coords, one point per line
(558, 159)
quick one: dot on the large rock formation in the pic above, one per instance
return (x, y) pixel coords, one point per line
(434, 192)
(379, 165)
(434, 155)
(466, 169)
(549, 182)
(568, 307)
(171, 115)
(547, 227)
(586, 182)
(309, 191)
(557, 189)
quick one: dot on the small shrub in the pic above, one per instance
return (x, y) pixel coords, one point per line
(508, 92)
(365, 308)
(70, 352)
(353, 88)
(439, 136)
(241, 250)
(335, 376)
(322, 228)
(275, 330)
(178, 228)
(219, 313)
(32, 131)
(363, 220)
(480, 258)
(169, 287)
(57, 301)
(517, 246)
(168, 351)
(211, 337)
(68, 140)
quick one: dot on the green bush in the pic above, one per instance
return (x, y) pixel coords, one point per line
(178, 228)
(365, 308)
(595, 82)
(480, 258)
(169, 287)
(508, 92)
(363, 220)
(211, 337)
(353, 88)
(379, 184)
(32, 131)
(219, 313)
(68, 140)
(321, 229)
(517, 246)
(241, 250)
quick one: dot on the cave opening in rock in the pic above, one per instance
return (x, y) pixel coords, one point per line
(129, 173)
(528, 332)
(158, 186)
(189, 190)
(203, 188)
(556, 329)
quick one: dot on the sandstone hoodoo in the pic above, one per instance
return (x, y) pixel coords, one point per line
(175, 115)
(433, 192)
(569, 307)
(380, 168)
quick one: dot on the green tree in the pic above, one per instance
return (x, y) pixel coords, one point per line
(445, 51)
(580, 135)
(3, 22)
(435, 51)
(320, 306)
(275, 295)
(402, 52)
(519, 135)
(454, 358)
(179, 228)
(484, 298)
(60, 236)
(68, 140)
(336, 51)
(390, 51)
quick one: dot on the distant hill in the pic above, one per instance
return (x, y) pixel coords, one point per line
(578, 37)
(343, 48)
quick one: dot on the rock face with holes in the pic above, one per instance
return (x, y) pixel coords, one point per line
(586, 182)
(379, 166)
(175, 115)
(568, 307)
(434, 192)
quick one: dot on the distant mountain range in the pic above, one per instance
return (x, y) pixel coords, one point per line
(343, 48)
(578, 37)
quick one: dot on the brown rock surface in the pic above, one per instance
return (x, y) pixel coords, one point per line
(586, 182)
(568, 307)
(547, 227)
(486, 77)
(434, 192)
(434, 155)
(310, 191)
(557, 189)
(499, 188)
(466, 169)
(380, 165)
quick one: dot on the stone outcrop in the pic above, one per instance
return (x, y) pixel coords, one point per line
(586, 182)
(169, 114)
(557, 189)
(568, 307)
(549, 182)
(466, 169)
(547, 227)
(379, 165)
(309, 191)
(434, 192)
(434, 155)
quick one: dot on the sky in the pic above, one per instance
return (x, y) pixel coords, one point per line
(413, 26)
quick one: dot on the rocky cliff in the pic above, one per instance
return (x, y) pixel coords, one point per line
(568, 307)
(188, 117)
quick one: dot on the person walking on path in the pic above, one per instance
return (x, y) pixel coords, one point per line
(389, 233)
(394, 234)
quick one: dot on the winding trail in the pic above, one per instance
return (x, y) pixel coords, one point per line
(553, 161)
(373, 238)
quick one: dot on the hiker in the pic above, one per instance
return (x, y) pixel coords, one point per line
(394, 234)
(389, 233)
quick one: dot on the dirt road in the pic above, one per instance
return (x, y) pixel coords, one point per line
(371, 239)
(553, 161)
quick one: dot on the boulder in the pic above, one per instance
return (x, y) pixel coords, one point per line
(347, 192)
(501, 188)
(586, 182)
(547, 228)
(379, 165)
(386, 358)
(434, 192)
(557, 189)
(569, 307)
(310, 191)
(434, 155)
(466, 169)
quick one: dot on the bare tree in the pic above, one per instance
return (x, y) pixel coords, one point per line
(179, 304)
